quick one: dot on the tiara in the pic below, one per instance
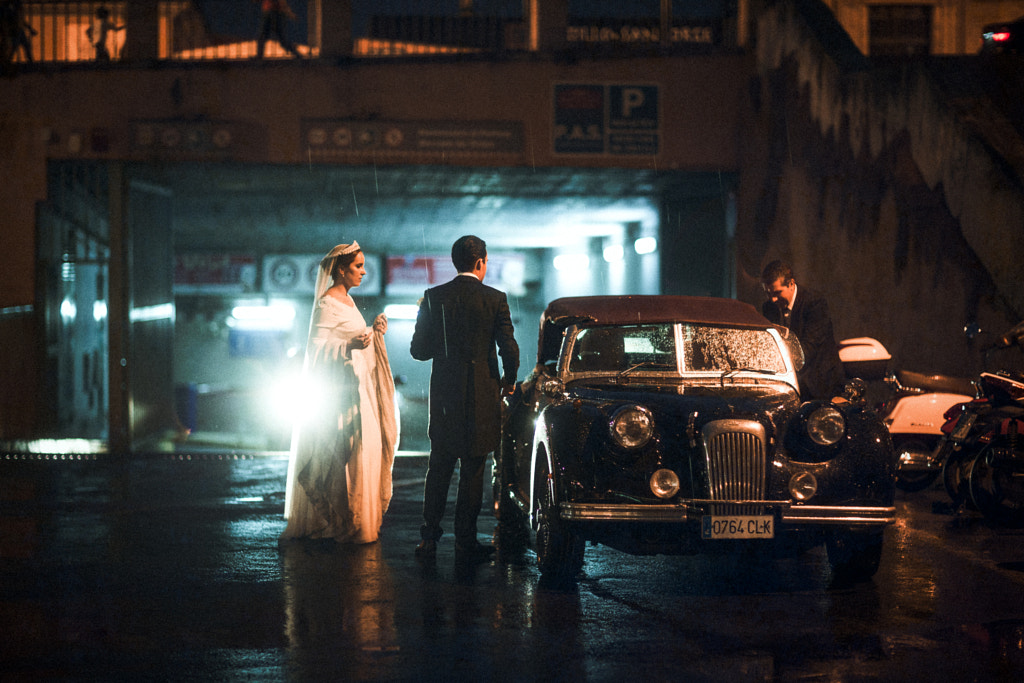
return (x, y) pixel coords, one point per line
(342, 249)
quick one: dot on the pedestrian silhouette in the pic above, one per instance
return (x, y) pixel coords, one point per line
(99, 32)
(15, 31)
(275, 17)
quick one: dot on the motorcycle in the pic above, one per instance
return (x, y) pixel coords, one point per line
(983, 446)
(912, 406)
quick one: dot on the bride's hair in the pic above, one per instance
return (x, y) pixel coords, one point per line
(343, 261)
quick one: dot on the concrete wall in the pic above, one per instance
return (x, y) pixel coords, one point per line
(865, 180)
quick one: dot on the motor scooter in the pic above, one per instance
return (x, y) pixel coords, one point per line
(912, 406)
(983, 446)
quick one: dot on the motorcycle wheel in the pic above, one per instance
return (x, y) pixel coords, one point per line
(996, 483)
(954, 477)
(912, 480)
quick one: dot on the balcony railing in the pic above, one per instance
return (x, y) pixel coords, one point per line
(97, 31)
(186, 32)
(70, 32)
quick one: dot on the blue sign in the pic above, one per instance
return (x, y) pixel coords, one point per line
(606, 119)
(579, 119)
(633, 119)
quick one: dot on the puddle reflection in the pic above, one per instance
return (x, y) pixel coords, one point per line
(339, 599)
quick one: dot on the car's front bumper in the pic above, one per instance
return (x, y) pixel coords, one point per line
(786, 513)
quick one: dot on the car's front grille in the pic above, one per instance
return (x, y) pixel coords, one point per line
(737, 466)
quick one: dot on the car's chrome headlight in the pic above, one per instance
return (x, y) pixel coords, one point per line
(803, 486)
(826, 425)
(664, 483)
(631, 426)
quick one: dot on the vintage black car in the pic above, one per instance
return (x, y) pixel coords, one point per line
(671, 424)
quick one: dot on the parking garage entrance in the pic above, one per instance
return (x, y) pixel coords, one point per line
(176, 297)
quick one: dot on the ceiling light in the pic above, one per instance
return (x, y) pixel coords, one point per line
(152, 313)
(68, 310)
(646, 245)
(613, 253)
(572, 262)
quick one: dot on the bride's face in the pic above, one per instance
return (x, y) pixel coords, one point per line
(352, 275)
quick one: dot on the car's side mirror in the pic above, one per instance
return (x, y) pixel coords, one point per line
(796, 351)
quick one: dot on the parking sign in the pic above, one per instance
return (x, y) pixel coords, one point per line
(606, 119)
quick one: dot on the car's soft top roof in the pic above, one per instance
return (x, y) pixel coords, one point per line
(627, 310)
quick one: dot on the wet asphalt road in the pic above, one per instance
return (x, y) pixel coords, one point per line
(167, 568)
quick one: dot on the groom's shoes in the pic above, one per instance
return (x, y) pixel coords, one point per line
(426, 549)
(473, 553)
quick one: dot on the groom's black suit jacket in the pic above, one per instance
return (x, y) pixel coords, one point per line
(462, 326)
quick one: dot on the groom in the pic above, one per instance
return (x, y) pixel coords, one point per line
(458, 326)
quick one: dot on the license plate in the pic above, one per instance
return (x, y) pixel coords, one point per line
(738, 526)
(963, 426)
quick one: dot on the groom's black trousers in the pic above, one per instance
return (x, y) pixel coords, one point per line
(440, 468)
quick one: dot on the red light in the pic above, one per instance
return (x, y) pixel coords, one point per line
(1000, 36)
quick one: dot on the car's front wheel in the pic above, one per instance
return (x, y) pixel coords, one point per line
(854, 556)
(559, 550)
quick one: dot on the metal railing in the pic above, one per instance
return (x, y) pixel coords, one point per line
(185, 34)
(64, 31)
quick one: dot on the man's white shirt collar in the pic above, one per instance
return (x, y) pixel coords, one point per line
(470, 274)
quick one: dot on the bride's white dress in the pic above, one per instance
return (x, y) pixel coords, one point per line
(339, 472)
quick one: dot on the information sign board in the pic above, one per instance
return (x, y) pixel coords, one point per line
(618, 119)
(338, 138)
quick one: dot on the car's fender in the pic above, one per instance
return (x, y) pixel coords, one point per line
(540, 461)
(560, 444)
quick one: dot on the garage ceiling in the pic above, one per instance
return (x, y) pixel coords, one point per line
(401, 208)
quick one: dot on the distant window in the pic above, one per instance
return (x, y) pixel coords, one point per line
(899, 30)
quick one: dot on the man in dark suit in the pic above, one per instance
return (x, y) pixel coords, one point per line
(459, 327)
(805, 312)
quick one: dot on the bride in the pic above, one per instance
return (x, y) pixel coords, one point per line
(343, 447)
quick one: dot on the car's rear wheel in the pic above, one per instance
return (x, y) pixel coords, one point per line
(854, 556)
(559, 550)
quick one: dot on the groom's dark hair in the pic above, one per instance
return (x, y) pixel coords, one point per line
(465, 252)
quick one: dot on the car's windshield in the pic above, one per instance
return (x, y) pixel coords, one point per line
(721, 349)
(614, 349)
(647, 348)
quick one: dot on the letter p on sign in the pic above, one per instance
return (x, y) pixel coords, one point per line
(632, 98)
